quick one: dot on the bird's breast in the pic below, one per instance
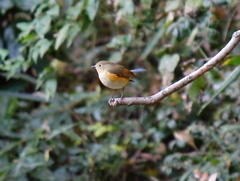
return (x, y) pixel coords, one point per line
(112, 81)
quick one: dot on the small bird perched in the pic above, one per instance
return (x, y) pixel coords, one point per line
(115, 76)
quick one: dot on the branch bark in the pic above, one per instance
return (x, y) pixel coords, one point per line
(150, 100)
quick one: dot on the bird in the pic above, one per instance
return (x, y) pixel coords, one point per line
(115, 76)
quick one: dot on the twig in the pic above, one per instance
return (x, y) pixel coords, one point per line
(150, 100)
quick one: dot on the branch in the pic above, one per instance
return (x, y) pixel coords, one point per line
(150, 100)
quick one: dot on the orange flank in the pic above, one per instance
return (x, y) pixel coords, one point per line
(115, 77)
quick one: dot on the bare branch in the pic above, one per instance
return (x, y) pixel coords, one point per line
(181, 83)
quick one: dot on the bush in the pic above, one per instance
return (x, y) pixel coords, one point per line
(56, 123)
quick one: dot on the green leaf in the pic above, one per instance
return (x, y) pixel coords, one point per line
(40, 49)
(35, 53)
(3, 53)
(62, 35)
(74, 30)
(192, 36)
(151, 44)
(232, 61)
(23, 26)
(195, 88)
(26, 28)
(172, 5)
(42, 25)
(193, 4)
(167, 65)
(54, 11)
(127, 7)
(92, 8)
(217, 139)
(61, 130)
(44, 46)
(40, 9)
(100, 129)
(235, 74)
(73, 136)
(9, 147)
(50, 88)
(30, 97)
(26, 4)
(11, 107)
(120, 40)
(4, 106)
(115, 57)
(136, 135)
(74, 11)
(147, 3)
(229, 128)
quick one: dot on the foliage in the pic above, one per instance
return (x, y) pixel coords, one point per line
(55, 120)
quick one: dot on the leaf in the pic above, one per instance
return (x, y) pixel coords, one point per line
(192, 36)
(116, 166)
(147, 3)
(40, 49)
(100, 129)
(213, 177)
(235, 74)
(74, 30)
(44, 46)
(3, 53)
(195, 87)
(151, 44)
(40, 9)
(127, 7)
(50, 88)
(115, 57)
(61, 130)
(136, 135)
(172, 5)
(217, 139)
(24, 96)
(9, 147)
(26, 4)
(186, 137)
(192, 5)
(54, 11)
(42, 25)
(74, 11)
(62, 35)
(59, 66)
(35, 51)
(167, 66)
(26, 28)
(73, 136)
(232, 61)
(120, 40)
(229, 128)
(92, 7)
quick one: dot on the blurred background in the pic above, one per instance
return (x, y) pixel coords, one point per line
(55, 121)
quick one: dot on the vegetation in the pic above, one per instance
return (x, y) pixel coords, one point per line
(56, 123)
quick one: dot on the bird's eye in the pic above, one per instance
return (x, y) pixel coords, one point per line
(100, 65)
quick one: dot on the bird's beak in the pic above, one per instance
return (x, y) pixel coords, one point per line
(93, 66)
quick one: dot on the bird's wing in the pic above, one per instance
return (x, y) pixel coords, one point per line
(121, 71)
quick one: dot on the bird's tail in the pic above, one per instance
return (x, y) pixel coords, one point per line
(138, 70)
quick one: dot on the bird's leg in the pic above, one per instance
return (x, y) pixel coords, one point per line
(113, 93)
(122, 93)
